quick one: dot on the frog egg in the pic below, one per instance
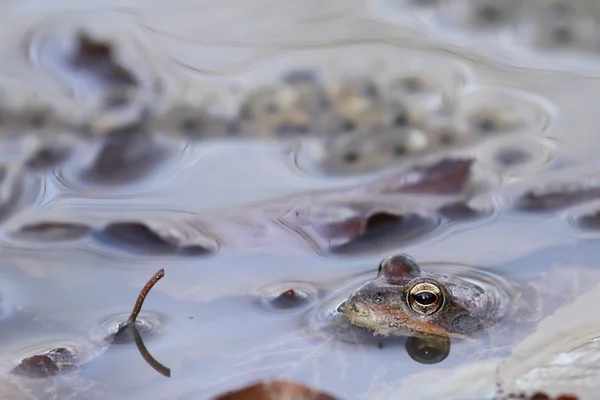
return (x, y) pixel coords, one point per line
(444, 133)
(399, 145)
(350, 154)
(357, 104)
(561, 25)
(31, 118)
(308, 89)
(273, 112)
(478, 14)
(422, 94)
(494, 111)
(517, 156)
(193, 122)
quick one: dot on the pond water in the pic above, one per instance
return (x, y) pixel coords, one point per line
(268, 156)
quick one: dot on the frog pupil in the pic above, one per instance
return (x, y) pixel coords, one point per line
(425, 298)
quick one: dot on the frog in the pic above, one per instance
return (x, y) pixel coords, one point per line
(404, 298)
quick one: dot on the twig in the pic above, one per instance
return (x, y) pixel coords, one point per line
(142, 296)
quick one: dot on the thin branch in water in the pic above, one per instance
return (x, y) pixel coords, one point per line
(142, 296)
(161, 369)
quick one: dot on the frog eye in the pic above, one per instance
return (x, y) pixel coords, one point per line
(425, 298)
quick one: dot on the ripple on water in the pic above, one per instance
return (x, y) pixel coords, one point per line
(288, 296)
(517, 156)
(324, 319)
(88, 68)
(148, 323)
(585, 220)
(72, 353)
(470, 213)
(389, 231)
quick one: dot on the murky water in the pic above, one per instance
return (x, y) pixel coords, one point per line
(268, 156)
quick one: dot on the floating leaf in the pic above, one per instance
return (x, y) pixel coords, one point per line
(127, 153)
(556, 199)
(342, 217)
(160, 236)
(97, 58)
(275, 390)
(52, 231)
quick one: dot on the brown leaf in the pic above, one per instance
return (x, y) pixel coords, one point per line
(448, 176)
(127, 153)
(97, 58)
(167, 237)
(275, 390)
(555, 199)
(56, 361)
(52, 231)
(338, 218)
(407, 199)
(48, 157)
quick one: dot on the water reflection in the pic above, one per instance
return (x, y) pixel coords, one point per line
(428, 349)
(224, 332)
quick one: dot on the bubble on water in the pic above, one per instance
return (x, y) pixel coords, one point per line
(288, 296)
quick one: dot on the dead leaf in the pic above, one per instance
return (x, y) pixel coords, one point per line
(52, 231)
(556, 199)
(386, 202)
(128, 153)
(160, 237)
(275, 390)
(97, 58)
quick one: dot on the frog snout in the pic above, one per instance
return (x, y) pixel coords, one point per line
(351, 308)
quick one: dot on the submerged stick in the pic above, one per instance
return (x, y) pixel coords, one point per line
(142, 296)
(161, 369)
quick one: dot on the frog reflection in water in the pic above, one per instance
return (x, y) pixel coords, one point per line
(405, 299)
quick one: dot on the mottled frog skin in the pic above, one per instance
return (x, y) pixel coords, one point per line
(404, 299)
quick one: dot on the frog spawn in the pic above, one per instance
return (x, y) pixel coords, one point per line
(472, 118)
(555, 34)
(364, 124)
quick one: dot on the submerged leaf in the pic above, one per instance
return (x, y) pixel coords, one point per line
(343, 217)
(48, 157)
(556, 199)
(52, 231)
(127, 153)
(97, 59)
(446, 177)
(275, 390)
(160, 236)
(56, 361)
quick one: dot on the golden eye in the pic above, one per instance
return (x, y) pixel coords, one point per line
(425, 298)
